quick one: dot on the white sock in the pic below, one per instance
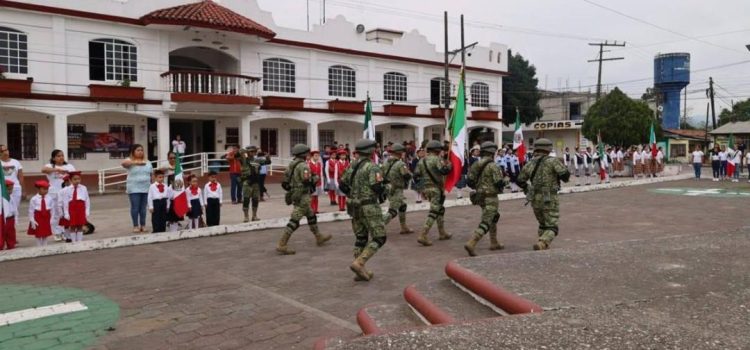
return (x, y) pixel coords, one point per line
(78, 236)
(39, 242)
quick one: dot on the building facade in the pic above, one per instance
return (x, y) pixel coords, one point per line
(92, 78)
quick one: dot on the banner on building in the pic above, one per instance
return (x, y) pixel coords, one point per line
(99, 142)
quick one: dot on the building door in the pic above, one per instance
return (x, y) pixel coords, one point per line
(152, 142)
(184, 128)
(269, 141)
(208, 136)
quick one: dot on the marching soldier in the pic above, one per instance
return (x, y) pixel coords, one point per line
(487, 180)
(396, 176)
(363, 184)
(299, 182)
(431, 170)
(251, 180)
(544, 172)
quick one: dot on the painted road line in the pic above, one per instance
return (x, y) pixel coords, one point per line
(10, 318)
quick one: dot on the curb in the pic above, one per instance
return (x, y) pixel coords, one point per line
(425, 308)
(134, 240)
(503, 299)
(366, 323)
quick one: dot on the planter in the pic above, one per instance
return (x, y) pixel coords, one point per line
(339, 106)
(394, 109)
(18, 86)
(439, 112)
(279, 102)
(120, 92)
(485, 115)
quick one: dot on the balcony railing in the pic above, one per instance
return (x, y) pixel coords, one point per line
(210, 83)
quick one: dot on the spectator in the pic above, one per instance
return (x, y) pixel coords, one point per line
(716, 162)
(723, 158)
(235, 172)
(137, 185)
(56, 170)
(697, 162)
(263, 173)
(169, 168)
(178, 146)
(13, 172)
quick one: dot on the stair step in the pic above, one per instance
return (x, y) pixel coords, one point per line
(384, 318)
(441, 302)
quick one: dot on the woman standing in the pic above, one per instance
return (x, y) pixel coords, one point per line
(56, 171)
(138, 183)
(169, 168)
(716, 162)
(697, 162)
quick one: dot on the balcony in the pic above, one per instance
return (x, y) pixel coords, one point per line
(211, 87)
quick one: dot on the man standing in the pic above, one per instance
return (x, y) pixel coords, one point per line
(251, 190)
(488, 183)
(432, 170)
(396, 177)
(544, 174)
(298, 181)
(178, 146)
(363, 183)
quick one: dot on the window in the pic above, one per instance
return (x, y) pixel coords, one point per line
(677, 150)
(76, 133)
(121, 138)
(439, 92)
(480, 95)
(394, 86)
(325, 137)
(342, 81)
(499, 56)
(269, 141)
(23, 141)
(491, 54)
(574, 111)
(233, 137)
(297, 136)
(13, 51)
(278, 75)
(112, 59)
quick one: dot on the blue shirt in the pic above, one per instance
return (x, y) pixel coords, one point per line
(139, 178)
(264, 169)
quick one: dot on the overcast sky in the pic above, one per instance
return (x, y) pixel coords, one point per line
(554, 36)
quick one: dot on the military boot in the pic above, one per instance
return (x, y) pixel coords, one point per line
(358, 266)
(441, 230)
(255, 214)
(494, 244)
(541, 245)
(321, 239)
(422, 239)
(282, 247)
(405, 230)
(357, 251)
(247, 215)
(471, 245)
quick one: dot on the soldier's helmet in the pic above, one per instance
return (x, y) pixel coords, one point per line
(398, 148)
(365, 146)
(434, 145)
(251, 148)
(300, 149)
(543, 145)
(488, 146)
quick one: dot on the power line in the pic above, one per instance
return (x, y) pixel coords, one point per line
(601, 59)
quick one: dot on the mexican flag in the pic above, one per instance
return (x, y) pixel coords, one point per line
(4, 198)
(602, 157)
(457, 129)
(652, 142)
(180, 196)
(369, 128)
(518, 145)
(731, 166)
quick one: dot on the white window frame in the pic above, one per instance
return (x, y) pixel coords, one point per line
(326, 137)
(279, 75)
(120, 60)
(14, 46)
(297, 136)
(480, 94)
(395, 86)
(31, 144)
(342, 81)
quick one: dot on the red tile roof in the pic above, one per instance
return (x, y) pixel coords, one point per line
(207, 14)
(697, 134)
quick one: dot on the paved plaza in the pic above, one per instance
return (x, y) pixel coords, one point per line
(234, 292)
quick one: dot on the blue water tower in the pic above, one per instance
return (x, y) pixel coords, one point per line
(671, 75)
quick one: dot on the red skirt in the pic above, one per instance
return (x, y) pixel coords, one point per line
(8, 233)
(77, 210)
(43, 224)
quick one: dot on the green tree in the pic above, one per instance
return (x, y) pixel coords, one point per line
(520, 91)
(620, 119)
(740, 112)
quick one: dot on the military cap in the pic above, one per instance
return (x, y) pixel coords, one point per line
(544, 145)
(300, 149)
(434, 145)
(488, 146)
(365, 146)
(251, 148)
(398, 148)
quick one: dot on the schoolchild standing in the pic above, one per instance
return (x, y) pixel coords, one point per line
(158, 202)
(316, 168)
(76, 206)
(40, 213)
(176, 210)
(9, 213)
(213, 198)
(196, 202)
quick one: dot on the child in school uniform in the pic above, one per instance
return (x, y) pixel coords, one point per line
(40, 213)
(158, 202)
(59, 210)
(316, 167)
(213, 198)
(76, 206)
(8, 226)
(196, 202)
(175, 214)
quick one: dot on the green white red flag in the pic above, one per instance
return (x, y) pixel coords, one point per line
(369, 128)
(518, 145)
(457, 128)
(652, 142)
(731, 165)
(180, 205)
(602, 157)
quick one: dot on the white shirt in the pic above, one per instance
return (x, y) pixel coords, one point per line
(645, 156)
(620, 155)
(198, 196)
(722, 156)
(636, 157)
(213, 194)
(11, 168)
(55, 179)
(35, 204)
(154, 194)
(737, 157)
(659, 157)
(697, 157)
(66, 196)
(178, 146)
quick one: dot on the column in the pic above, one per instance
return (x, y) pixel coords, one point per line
(60, 132)
(163, 141)
(245, 131)
(314, 136)
(420, 136)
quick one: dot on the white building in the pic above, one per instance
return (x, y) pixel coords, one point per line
(218, 75)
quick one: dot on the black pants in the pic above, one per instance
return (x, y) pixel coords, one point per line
(716, 167)
(159, 216)
(213, 211)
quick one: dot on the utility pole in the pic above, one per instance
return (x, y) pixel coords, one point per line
(684, 110)
(446, 90)
(705, 138)
(602, 59)
(711, 96)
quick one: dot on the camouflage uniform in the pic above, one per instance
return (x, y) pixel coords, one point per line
(300, 181)
(431, 170)
(251, 180)
(488, 184)
(364, 188)
(396, 175)
(542, 192)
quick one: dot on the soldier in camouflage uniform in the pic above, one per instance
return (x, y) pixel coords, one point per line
(487, 179)
(396, 175)
(431, 170)
(544, 173)
(298, 182)
(363, 184)
(251, 180)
